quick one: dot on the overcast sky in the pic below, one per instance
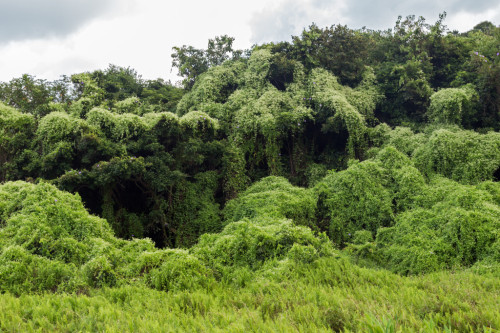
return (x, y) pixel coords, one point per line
(48, 38)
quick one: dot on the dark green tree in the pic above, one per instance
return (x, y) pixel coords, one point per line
(341, 50)
(191, 62)
(28, 94)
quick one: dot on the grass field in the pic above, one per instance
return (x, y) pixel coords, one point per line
(328, 294)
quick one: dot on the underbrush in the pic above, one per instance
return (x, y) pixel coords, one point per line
(330, 294)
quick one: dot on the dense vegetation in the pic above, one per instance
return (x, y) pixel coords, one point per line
(346, 181)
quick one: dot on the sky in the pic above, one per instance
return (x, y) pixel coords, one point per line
(49, 38)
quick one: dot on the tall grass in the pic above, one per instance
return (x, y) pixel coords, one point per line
(330, 294)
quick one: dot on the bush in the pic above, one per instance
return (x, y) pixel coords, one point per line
(99, 272)
(273, 197)
(405, 140)
(45, 236)
(21, 272)
(455, 226)
(180, 271)
(464, 156)
(362, 237)
(252, 243)
(405, 182)
(55, 127)
(354, 199)
(452, 105)
(303, 253)
(34, 215)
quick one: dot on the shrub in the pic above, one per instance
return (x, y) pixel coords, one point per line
(180, 271)
(273, 197)
(21, 272)
(42, 210)
(405, 182)
(99, 272)
(452, 105)
(45, 236)
(252, 243)
(55, 127)
(455, 226)
(464, 156)
(354, 199)
(303, 253)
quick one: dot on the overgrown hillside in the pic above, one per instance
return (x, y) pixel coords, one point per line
(345, 181)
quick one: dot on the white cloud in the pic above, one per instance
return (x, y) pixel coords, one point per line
(32, 19)
(141, 34)
(290, 17)
(141, 37)
(464, 21)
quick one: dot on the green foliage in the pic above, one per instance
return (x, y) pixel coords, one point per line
(464, 156)
(456, 227)
(45, 235)
(409, 60)
(304, 254)
(116, 127)
(482, 69)
(426, 227)
(258, 69)
(342, 107)
(30, 94)
(235, 178)
(47, 239)
(194, 210)
(264, 123)
(405, 140)
(452, 105)
(180, 271)
(99, 272)
(161, 95)
(354, 199)
(154, 160)
(315, 173)
(32, 211)
(214, 86)
(16, 131)
(89, 94)
(193, 62)
(253, 242)
(198, 122)
(405, 182)
(118, 83)
(338, 49)
(362, 237)
(128, 105)
(56, 127)
(260, 118)
(329, 295)
(23, 272)
(273, 197)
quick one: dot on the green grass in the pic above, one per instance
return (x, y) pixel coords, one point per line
(328, 294)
